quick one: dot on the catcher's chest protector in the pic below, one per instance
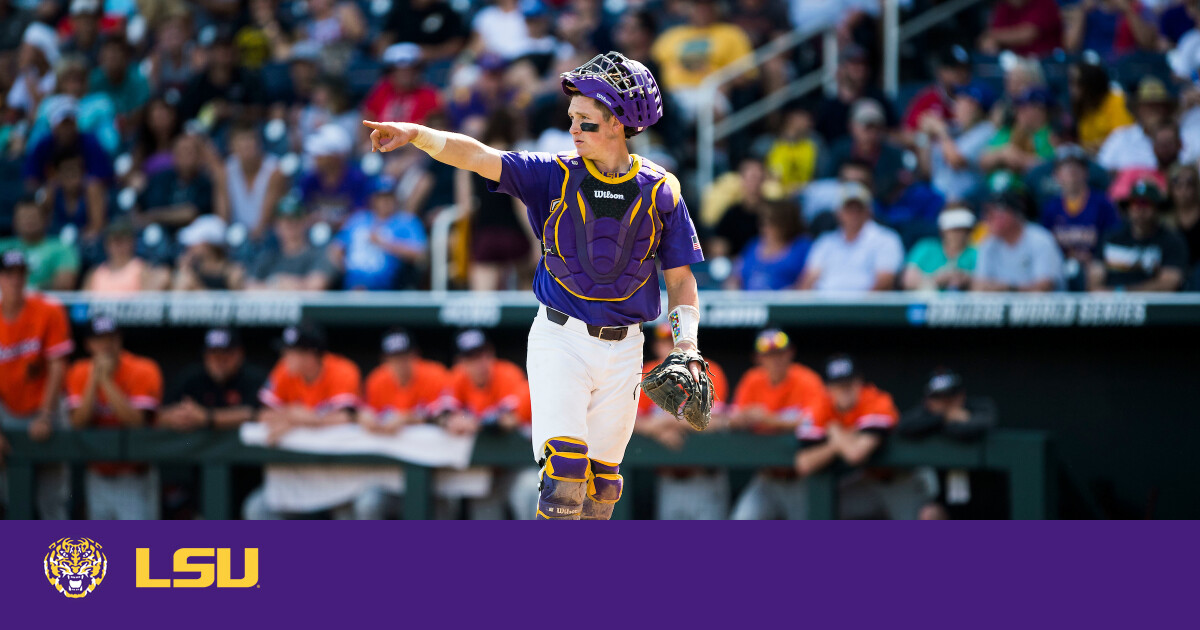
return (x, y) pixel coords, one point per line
(602, 234)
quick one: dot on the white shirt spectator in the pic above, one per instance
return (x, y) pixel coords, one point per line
(19, 96)
(852, 266)
(956, 184)
(503, 32)
(1189, 136)
(1034, 258)
(1185, 58)
(1127, 147)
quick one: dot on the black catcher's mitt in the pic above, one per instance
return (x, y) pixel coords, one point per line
(671, 386)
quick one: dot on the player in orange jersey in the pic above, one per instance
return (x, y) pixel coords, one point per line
(34, 343)
(862, 417)
(776, 397)
(489, 394)
(115, 389)
(311, 388)
(404, 389)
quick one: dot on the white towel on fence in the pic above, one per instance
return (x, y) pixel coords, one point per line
(422, 444)
(309, 488)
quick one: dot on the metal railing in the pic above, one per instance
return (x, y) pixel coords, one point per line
(709, 131)
(439, 247)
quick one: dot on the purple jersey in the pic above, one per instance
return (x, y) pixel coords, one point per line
(538, 180)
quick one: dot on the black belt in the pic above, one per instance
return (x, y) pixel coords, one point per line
(607, 333)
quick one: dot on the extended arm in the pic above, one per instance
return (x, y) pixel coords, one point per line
(455, 149)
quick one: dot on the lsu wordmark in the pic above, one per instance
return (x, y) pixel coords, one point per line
(210, 565)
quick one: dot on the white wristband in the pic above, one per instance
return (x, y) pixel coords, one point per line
(430, 141)
(685, 324)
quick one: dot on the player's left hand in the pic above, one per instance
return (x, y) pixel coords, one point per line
(680, 385)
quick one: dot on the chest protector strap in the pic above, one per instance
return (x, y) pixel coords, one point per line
(602, 235)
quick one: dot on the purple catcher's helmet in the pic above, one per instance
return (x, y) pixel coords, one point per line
(625, 86)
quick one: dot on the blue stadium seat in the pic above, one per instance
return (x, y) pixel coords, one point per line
(276, 81)
(361, 75)
(1130, 69)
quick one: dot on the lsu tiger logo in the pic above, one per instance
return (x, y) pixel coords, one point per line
(75, 566)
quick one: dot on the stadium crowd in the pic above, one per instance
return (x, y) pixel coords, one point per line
(217, 145)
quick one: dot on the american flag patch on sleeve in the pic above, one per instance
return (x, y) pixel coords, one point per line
(695, 242)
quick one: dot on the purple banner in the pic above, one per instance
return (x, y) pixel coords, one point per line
(677, 575)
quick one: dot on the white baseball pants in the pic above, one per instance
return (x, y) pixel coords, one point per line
(583, 387)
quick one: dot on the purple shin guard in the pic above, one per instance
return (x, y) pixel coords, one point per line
(603, 491)
(564, 480)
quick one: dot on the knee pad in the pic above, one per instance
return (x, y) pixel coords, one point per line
(603, 490)
(563, 479)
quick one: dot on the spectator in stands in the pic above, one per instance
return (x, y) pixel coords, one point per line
(952, 71)
(295, 264)
(1110, 28)
(484, 91)
(950, 155)
(1079, 217)
(84, 39)
(500, 29)
(1132, 146)
(35, 78)
(774, 260)
(684, 493)
(1017, 254)
(431, 24)
(1176, 20)
(13, 19)
(377, 249)
(401, 94)
(333, 23)
(253, 182)
(309, 388)
(947, 410)
(794, 154)
(860, 255)
(1144, 255)
(486, 393)
(868, 143)
(171, 57)
(52, 265)
(205, 264)
(121, 80)
(115, 389)
(72, 199)
(154, 141)
(95, 113)
(1027, 141)
(229, 90)
(1026, 27)
(777, 396)
(122, 270)
(739, 223)
(1097, 107)
(688, 53)
(853, 85)
(335, 186)
(1167, 145)
(945, 263)
(175, 197)
(37, 341)
(403, 391)
(1185, 209)
(330, 104)
(66, 138)
(502, 243)
(219, 393)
